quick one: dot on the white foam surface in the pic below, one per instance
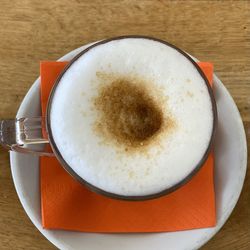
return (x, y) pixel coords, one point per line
(100, 164)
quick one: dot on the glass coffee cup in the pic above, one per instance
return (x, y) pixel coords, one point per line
(33, 135)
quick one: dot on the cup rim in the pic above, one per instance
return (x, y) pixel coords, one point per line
(98, 190)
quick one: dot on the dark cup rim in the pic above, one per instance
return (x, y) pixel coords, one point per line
(113, 195)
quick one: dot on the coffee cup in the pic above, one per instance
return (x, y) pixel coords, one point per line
(130, 117)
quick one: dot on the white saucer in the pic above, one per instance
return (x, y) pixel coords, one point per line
(230, 170)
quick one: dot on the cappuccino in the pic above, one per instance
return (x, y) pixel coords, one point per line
(132, 116)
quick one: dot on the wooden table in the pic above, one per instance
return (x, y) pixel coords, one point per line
(30, 31)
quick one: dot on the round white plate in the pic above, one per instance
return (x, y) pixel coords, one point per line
(230, 169)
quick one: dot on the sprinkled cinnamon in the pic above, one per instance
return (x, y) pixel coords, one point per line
(129, 114)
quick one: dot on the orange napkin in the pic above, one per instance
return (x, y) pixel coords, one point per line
(66, 204)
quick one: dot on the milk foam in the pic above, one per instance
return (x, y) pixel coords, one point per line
(104, 165)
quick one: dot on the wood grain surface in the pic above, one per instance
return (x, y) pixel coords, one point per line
(32, 30)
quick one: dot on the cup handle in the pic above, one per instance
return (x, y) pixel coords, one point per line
(25, 135)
